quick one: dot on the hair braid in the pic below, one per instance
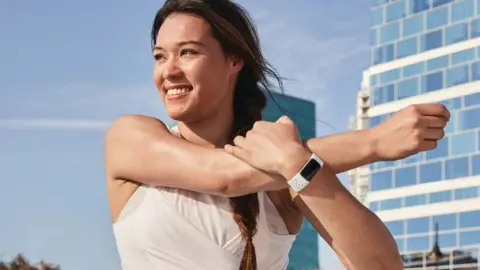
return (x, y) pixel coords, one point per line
(249, 102)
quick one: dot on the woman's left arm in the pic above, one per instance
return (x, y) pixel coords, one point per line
(357, 235)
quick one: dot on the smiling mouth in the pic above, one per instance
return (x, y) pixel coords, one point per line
(178, 93)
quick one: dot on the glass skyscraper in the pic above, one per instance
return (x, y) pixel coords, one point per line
(304, 253)
(426, 51)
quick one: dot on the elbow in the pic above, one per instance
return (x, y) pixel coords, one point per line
(225, 188)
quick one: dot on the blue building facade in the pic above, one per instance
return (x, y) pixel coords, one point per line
(426, 51)
(304, 253)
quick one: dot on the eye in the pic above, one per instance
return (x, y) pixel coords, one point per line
(158, 56)
(187, 51)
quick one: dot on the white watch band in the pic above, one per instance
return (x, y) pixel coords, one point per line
(298, 182)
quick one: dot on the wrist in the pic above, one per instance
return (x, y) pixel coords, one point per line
(295, 163)
(370, 146)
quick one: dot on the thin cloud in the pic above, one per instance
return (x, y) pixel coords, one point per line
(53, 124)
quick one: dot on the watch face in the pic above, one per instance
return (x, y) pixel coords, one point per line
(310, 169)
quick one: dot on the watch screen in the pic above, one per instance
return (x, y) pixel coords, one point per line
(310, 169)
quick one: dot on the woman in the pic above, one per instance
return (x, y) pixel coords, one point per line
(215, 191)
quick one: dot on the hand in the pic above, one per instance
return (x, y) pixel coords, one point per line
(409, 131)
(272, 147)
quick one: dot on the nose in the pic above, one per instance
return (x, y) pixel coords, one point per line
(171, 69)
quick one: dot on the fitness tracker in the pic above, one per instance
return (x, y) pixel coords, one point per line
(305, 175)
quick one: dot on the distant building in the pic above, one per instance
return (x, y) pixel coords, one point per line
(426, 51)
(304, 253)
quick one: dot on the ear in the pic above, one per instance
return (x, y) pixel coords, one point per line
(236, 64)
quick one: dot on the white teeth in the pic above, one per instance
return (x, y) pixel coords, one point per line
(177, 91)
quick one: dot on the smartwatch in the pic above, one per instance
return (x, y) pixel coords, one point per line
(305, 175)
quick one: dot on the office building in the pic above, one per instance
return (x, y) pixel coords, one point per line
(304, 253)
(426, 51)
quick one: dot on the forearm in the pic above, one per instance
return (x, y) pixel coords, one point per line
(357, 235)
(346, 151)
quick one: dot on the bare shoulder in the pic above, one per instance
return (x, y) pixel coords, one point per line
(120, 190)
(288, 210)
(131, 123)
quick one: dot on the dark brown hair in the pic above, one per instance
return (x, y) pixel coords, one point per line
(233, 28)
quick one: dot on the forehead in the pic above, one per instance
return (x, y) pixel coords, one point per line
(180, 27)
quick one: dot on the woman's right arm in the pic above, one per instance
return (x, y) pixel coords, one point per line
(141, 149)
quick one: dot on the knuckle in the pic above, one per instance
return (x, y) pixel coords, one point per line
(413, 108)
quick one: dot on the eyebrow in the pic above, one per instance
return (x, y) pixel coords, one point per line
(182, 43)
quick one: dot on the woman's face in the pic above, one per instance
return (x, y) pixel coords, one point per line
(192, 73)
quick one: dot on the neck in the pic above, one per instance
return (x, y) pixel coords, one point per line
(213, 131)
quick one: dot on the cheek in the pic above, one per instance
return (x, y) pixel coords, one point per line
(157, 75)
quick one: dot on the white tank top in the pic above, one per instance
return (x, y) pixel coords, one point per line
(173, 229)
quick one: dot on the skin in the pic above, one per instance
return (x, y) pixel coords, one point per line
(141, 150)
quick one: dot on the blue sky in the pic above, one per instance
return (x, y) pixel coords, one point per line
(68, 68)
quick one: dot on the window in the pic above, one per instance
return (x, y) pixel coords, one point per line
(383, 54)
(395, 227)
(445, 222)
(462, 10)
(431, 172)
(373, 80)
(373, 206)
(438, 62)
(472, 100)
(418, 243)
(432, 82)
(376, 120)
(456, 33)
(470, 238)
(463, 143)
(400, 245)
(450, 127)
(373, 37)
(389, 32)
(440, 151)
(413, 25)
(476, 164)
(456, 168)
(475, 28)
(437, 3)
(413, 159)
(416, 6)
(381, 180)
(384, 94)
(418, 225)
(437, 17)
(469, 119)
(432, 40)
(396, 11)
(446, 240)
(463, 56)
(457, 75)
(406, 176)
(469, 219)
(415, 69)
(389, 76)
(452, 104)
(476, 71)
(415, 200)
(407, 47)
(466, 193)
(377, 16)
(441, 196)
(407, 88)
(391, 204)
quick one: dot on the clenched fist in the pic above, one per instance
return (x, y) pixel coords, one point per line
(411, 130)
